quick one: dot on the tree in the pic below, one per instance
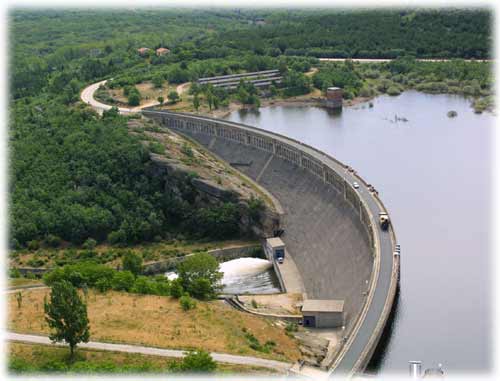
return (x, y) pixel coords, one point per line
(176, 289)
(132, 262)
(200, 268)
(66, 313)
(157, 80)
(161, 100)
(134, 99)
(173, 96)
(198, 361)
(196, 102)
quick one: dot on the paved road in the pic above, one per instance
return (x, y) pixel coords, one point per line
(87, 96)
(219, 357)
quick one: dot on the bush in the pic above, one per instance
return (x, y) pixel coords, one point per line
(198, 361)
(144, 285)
(176, 289)
(132, 262)
(393, 90)
(89, 244)
(88, 273)
(33, 245)
(123, 281)
(52, 240)
(187, 303)
(103, 285)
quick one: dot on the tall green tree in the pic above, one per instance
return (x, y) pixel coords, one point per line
(200, 275)
(66, 314)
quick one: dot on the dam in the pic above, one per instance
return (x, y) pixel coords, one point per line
(332, 230)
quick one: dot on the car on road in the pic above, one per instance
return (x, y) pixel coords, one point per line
(355, 185)
(281, 260)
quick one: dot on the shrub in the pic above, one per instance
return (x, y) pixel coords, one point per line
(132, 262)
(187, 303)
(393, 90)
(14, 273)
(144, 285)
(89, 244)
(117, 237)
(52, 240)
(103, 285)
(33, 245)
(123, 281)
(176, 289)
(198, 361)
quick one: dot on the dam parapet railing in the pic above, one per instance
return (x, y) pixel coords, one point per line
(335, 174)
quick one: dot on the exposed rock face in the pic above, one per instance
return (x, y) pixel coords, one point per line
(312, 347)
(178, 177)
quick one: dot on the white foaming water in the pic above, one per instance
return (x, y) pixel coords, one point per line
(244, 275)
(243, 267)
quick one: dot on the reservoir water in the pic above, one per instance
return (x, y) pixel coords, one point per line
(433, 174)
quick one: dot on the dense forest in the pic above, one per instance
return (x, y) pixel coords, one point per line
(75, 175)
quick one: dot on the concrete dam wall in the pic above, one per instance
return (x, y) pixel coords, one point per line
(331, 229)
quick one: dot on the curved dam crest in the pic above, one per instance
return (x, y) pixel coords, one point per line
(331, 228)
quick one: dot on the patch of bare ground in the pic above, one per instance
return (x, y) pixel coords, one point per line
(160, 322)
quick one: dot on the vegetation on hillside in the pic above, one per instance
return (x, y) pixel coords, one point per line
(76, 176)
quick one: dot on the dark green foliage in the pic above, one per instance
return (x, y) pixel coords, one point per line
(88, 273)
(296, 83)
(132, 262)
(200, 275)
(122, 281)
(187, 303)
(89, 244)
(176, 289)
(198, 361)
(173, 97)
(52, 240)
(66, 314)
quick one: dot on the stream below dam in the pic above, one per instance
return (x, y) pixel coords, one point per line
(434, 175)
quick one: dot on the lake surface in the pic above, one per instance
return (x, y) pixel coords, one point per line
(433, 174)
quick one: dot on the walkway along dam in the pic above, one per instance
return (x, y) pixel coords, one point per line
(331, 229)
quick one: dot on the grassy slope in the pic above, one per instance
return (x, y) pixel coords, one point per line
(160, 322)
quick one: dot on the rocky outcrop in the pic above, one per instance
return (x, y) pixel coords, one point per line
(178, 177)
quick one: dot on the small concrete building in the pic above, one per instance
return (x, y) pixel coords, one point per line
(334, 97)
(317, 313)
(143, 51)
(162, 51)
(275, 248)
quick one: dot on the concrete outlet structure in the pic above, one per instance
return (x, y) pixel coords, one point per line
(319, 313)
(275, 248)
